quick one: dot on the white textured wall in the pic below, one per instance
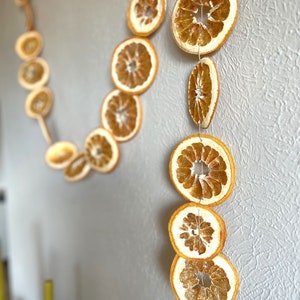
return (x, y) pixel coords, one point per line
(106, 237)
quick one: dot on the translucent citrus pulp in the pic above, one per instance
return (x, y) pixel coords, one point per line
(101, 150)
(202, 171)
(121, 114)
(134, 65)
(197, 232)
(203, 92)
(77, 169)
(29, 45)
(145, 16)
(202, 26)
(215, 279)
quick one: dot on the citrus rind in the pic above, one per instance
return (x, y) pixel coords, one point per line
(77, 169)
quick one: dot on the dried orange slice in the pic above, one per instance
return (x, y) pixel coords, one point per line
(215, 279)
(122, 115)
(202, 23)
(202, 171)
(39, 103)
(197, 232)
(145, 16)
(33, 74)
(101, 150)
(60, 154)
(203, 92)
(29, 45)
(77, 169)
(134, 65)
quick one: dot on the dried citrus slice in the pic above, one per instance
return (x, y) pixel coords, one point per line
(39, 102)
(101, 150)
(203, 92)
(197, 232)
(215, 279)
(33, 74)
(145, 16)
(202, 23)
(134, 65)
(29, 45)
(202, 171)
(77, 169)
(60, 154)
(122, 115)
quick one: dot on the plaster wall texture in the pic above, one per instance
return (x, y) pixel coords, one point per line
(106, 237)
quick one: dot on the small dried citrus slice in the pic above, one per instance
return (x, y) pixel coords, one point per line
(134, 65)
(215, 279)
(39, 103)
(33, 74)
(197, 232)
(145, 16)
(77, 169)
(209, 31)
(29, 45)
(60, 154)
(101, 150)
(121, 114)
(202, 171)
(203, 92)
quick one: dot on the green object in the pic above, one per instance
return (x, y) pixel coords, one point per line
(48, 290)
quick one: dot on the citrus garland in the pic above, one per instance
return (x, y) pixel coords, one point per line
(134, 67)
(201, 166)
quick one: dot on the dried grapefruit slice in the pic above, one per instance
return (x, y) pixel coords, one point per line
(34, 73)
(60, 154)
(209, 32)
(39, 103)
(203, 92)
(205, 280)
(134, 65)
(101, 150)
(29, 45)
(145, 16)
(197, 232)
(202, 171)
(121, 114)
(77, 169)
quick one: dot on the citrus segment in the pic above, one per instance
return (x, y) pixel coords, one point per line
(33, 74)
(60, 154)
(29, 45)
(197, 232)
(101, 150)
(39, 102)
(215, 279)
(145, 16)
(121, 114)
(77, 169)
(134, 65)
(203, 26)
(202, 171)
(203, 92)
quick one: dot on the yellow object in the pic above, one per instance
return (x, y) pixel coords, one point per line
(48, 290)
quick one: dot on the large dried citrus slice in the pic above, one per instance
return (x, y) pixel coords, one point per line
(202, 26)
(215, 279)
(60, 154)
(33, 74)
(134, 65)
(101, 150)
(122, 115)
(145, 16)
(77, 169)
(197, 232)
(203, 92)
(39, 102)
(29, 45)
(202, 169)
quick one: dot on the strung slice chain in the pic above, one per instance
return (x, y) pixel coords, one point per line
(134, 67)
